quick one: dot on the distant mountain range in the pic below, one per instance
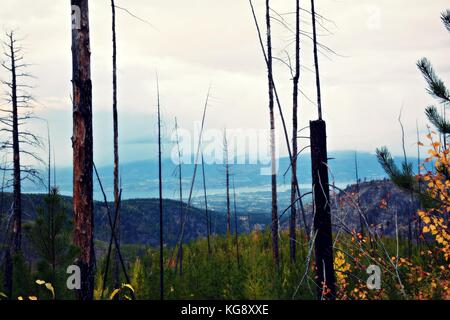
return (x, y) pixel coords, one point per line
(140, 180)
(140, 217)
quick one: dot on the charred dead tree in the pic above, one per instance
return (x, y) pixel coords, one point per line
(4, 228)
(275, 250)
(14, 141)
(13, 124)
(116, 143)
(3, 215)
(54, 168)
(208, 228)
(161, 221)
(49, 160)
(274, 94)
(52, 193)
(296, 78)
(316, 60)
(322, 217)
(227, 179)
(180, 182)
(83, 147)
(286, 135)
(323, 245)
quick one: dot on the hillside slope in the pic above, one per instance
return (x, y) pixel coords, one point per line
(139, 219)
(379, 200)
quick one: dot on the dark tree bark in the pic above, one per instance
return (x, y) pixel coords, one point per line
(3, 215)
(49, 176)
(15, 145)
(161, 221)
(323, 244)
(7, 273)
(293, 220)
(116, 144)
(17, 193)
(322, 217)
(54, 168)
(275, 250)
(83, 147)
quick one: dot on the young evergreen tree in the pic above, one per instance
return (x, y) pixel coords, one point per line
(50, 237)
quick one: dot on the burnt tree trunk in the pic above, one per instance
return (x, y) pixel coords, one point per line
(116, 145)
(274, 195)
(19, 99)
(293, 219)
(323, 244)
(49, 173)
(83, 147)
(228, 199)
(316, 60)
(288, 145)
(275, 250)
(161, 221)
(7, 272)
(17, 192)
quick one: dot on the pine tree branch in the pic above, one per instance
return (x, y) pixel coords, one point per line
(437, 120)
(436, 86)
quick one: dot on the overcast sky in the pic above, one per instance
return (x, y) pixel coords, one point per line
(193, 44)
